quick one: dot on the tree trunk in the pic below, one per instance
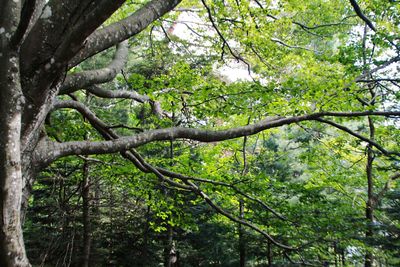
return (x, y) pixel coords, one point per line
(242, 245)
(12, 250)
(87, 235)
(168, 247)
(269, 253)
(369, 210)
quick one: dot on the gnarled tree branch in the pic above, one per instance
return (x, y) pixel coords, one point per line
(161, 173)
(100, 92)
(117, 32)
(359, 136)
(85, 79)
(125, 143)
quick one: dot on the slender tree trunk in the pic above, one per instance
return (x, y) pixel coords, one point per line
(145, 247)
(168, 247)
(269, 253)
(111, 229)
(242, 244)
(335, 251)
(87, 235)
(369, 210)
(170, 250)
(343, 258)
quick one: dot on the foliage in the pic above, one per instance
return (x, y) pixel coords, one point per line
(304, 184)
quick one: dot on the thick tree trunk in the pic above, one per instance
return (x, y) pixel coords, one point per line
(12, 250)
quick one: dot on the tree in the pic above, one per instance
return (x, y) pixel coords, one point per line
(42, 42)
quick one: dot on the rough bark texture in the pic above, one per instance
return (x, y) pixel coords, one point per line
(84, 79)
(121, 30)
(37, 41)
(12, 250)
(56, 150)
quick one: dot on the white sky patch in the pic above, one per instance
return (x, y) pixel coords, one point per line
(2, 30)
(190, 22)
(233, 71)
(46, 13)
(187, 21)
(187, 24)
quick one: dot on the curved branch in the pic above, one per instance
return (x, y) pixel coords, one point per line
(142, 165)
(155, 105)
(359, 136)
(128, 142)
(100, 92)
(223, 39)
(184, 177)
(228, 215)
(108, 134)
(386, 187)
(359, 13)
(196, 189)
(382, 66)
(117, 32)
(85, 79)
(292, 46)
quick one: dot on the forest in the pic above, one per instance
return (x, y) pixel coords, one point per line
(199, 133)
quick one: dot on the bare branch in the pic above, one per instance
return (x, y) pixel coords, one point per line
(85, 79)
(375, 80)
(134, 157)
(151, 169)
(117, 32)
(363, 138)
(292, 46)
(196, 189)
(359, 13)
(306, 27)
(224, 41)
(228, 215)
(139, 162)
(386, 187)
(100, 92)
(382, 66)
(127, 142)
(217, 183)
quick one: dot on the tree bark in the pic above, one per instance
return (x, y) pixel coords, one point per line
(242, 245)
(87, 234)
(369, 210)
(35, 47)
(12, 250)
(269, 253)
